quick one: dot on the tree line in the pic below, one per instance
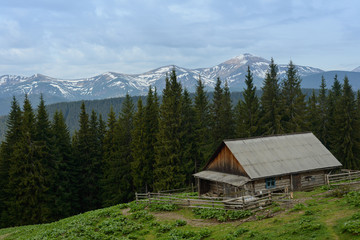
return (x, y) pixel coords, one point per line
(46, 175)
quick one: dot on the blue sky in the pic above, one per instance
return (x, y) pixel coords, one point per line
(83, 38)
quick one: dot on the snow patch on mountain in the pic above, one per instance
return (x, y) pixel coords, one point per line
(111, 84)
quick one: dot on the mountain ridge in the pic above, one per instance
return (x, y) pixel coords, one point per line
(113, 84)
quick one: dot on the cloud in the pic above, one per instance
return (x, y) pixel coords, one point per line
(79, 38)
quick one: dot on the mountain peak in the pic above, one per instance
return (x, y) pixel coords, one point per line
(356, 69)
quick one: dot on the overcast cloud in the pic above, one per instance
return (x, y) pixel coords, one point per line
(83, 38)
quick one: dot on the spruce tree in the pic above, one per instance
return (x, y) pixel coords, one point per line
(93, 197)
(293, 101)
(227, 122)
(12, 136)
(66, 182)
(45, 145)
(247, 110)
(189, 150)
(139, 169)
(151, 125)
(82, 154)
(333, 99)
(28, 203)
(125, 127)
(167, 170)
(110, 181)
(202, 125)
(216, 115)
(346, 142)
(312, 114)
(322, 129)
(271, 106)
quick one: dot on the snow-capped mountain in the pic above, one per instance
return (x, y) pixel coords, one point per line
(112, 84)
(356, 69)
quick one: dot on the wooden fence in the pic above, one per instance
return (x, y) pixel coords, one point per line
(240, 203)
(346, 178)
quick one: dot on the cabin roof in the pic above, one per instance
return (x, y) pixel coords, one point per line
(231, 179)
(278, 155)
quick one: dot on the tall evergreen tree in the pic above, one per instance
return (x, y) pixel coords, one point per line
(82, 154)
(227, 119)
(216, 115)
(27, 203)
(271, 102)
(247, 110)
(93, 197)
(44, 142)
(167, 169)
(293, 102)
(151, 125)
(12, 136)
(312, 114)
(66, 194)
(125, 127)
(202, 124)
(139, 169)
(346, 146)
(333, 99)
(189, 145)
(322, 129)
(111, 167)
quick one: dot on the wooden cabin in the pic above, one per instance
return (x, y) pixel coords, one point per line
(252, 166)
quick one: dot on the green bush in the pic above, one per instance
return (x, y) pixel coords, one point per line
(163, 207)
(221, 215)
(180, 223)
(353, 198)
(298, 207)
(143, 215)
(134, 207)
(353, 225)
(163, 228)
(237, 233)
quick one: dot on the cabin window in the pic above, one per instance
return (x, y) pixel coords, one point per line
(309, 178)
(270, 183)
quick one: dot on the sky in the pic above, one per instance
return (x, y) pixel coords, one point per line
(82, 38)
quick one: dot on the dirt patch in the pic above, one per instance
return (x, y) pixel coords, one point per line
(126, 211)
(4, 236)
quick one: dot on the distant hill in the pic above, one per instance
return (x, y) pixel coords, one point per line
(314, 80)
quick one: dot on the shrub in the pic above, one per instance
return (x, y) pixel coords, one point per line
(143, 215)
(163, 207)
(163, 228)
(353, 225)
(134, 207)
(221, 215)
(353, 198)
(179, 223)
(298, 207)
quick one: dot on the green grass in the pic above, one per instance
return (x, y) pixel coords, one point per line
(313, 215)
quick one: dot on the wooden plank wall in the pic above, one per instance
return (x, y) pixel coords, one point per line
(312, 179)
(280, 183)
(227, 163)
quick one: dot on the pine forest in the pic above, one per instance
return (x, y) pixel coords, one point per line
(47, 174)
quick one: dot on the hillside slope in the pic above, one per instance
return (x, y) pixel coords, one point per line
(312, 215)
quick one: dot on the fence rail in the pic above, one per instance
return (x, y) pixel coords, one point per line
(349, 177)
(239, 203)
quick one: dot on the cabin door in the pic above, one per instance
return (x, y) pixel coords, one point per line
(296, 182)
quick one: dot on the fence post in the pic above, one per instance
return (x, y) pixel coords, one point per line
(149, 198)
(243, 202)
(136, 198)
